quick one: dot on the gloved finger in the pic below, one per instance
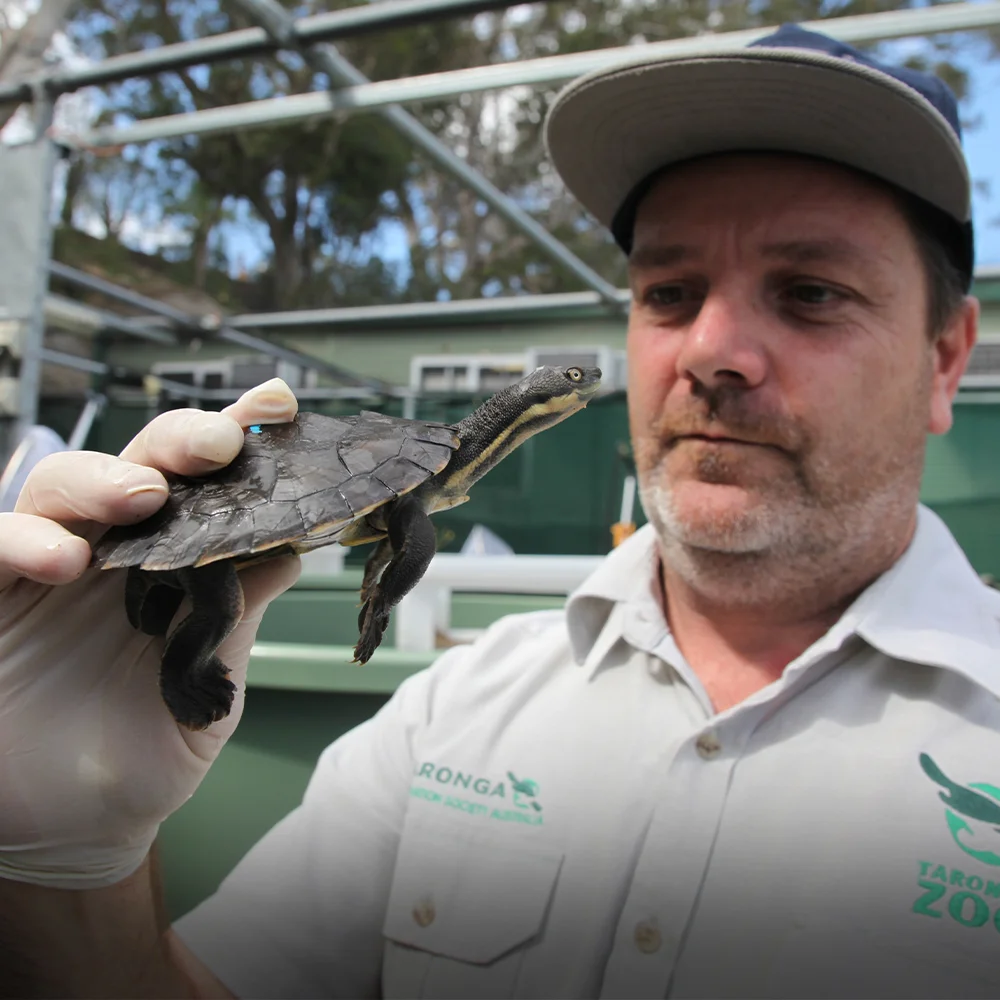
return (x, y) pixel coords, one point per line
(196, 442)
(187, 442)
(73, 486)
(39, 549)
(271, 402)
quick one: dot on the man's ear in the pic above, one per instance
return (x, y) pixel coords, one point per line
(951, 354)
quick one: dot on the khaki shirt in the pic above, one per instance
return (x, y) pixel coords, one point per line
(556, 811)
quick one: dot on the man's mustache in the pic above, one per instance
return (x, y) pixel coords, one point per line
(728, 412)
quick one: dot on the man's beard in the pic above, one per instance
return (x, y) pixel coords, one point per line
(794, 518)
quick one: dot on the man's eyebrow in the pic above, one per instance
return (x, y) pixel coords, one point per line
(661, 255)
(834, 250)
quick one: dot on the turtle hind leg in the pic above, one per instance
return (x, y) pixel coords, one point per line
(151, 600)
(194, 682)
(411, 536)
(377, 562)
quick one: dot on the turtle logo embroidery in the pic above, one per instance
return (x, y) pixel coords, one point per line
(979, 802)
(528, 789)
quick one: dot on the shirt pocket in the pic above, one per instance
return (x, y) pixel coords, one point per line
(464, 906)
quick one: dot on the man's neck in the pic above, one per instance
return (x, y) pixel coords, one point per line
(737, 653)
(736, 648)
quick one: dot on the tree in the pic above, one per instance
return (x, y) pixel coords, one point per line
(502, 134)
(317, 190)
(325, 202)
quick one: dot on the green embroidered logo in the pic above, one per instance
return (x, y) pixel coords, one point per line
(977, 801)
(524, 793)
(484, 797)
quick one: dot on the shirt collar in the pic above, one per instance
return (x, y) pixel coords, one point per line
(932, 607)
(627, 575)
(929, 607)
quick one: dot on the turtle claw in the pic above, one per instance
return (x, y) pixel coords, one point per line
(197, 700)
(372, 625)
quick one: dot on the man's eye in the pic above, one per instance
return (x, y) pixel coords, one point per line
(665, 295)
(814, 295)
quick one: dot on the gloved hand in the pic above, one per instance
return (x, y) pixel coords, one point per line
(91, 761)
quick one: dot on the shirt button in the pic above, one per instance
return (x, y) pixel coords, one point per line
(647, 937)
(424, 913)
(707, 746)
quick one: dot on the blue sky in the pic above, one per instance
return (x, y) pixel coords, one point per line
(980, 112)
(982, 146)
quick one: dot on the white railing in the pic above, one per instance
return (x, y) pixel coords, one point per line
(426, 610)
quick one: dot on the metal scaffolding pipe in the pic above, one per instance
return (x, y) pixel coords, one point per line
(549, 70)
(213, 328)
(125, 295)
(93, 367)
(498, 308)
(325, 59)
(68, 314)
(302, 395)
(384, 15)
(74, 361)
(503, 205)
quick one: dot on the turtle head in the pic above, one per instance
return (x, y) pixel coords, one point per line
(538, 401)
(560, 389)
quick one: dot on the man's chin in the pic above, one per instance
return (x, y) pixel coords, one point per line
(714, 518)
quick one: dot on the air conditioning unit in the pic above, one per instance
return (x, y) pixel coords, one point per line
(610, 360)
(201, 374)
(235, 373)
(983, 369)
(476, 373)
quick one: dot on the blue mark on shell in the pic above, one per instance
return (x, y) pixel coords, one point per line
(255, 428)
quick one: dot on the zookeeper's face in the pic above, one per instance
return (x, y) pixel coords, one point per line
(781, 376)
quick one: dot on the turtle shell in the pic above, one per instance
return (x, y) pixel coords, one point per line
(298, 484)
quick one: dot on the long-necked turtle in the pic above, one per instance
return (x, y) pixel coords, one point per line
(302, 485)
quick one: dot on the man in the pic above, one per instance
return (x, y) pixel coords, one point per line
(758, 754)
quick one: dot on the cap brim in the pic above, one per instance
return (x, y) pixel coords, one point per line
(609, 131)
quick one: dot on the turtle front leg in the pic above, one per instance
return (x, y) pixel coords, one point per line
(194, 682)
(377, 562)
(411, 537)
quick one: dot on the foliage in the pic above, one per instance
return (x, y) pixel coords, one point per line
(342, 210)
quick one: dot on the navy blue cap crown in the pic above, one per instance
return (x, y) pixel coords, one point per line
(955, 236)
(931, 88)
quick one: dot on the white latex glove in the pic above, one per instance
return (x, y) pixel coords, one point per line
(91, 761)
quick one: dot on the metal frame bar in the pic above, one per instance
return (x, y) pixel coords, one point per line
(92, 409)
(325, 59)
(385, 15)
(552, 69)
(93, 367)
(69, 314)
(28, 175)
(184, 391)
(212, 328)
(499, 308)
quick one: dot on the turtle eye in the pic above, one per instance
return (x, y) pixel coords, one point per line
(574, 374)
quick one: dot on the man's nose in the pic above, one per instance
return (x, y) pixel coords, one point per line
(725, 343)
